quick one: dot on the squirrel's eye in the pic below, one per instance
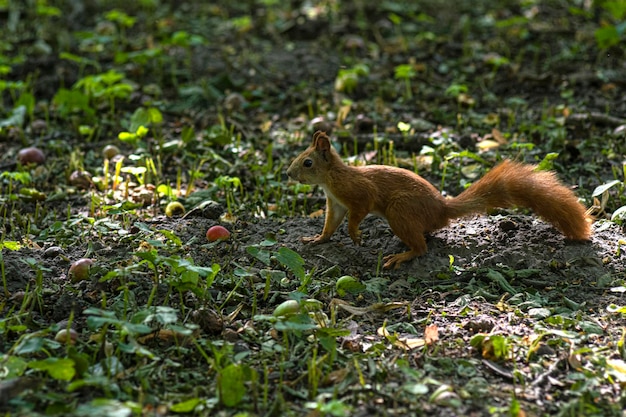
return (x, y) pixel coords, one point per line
(308, 163)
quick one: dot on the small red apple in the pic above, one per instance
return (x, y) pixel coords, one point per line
(217, 233)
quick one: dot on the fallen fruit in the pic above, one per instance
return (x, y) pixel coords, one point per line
(110, 151)
(347, 284)
(287, 308)
(217, 233)
(31, 156)
(63, 335)
(174, 208)
(80, 179)
(80, 269)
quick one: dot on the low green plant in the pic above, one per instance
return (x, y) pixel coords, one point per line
(186, 41)
(180, 274)
(73, 102)
(105, 88)
(228, 185)
(602, 194)
(123, 22)
(10, 245)
(405, 72)
(348, 79)
(35, 295)
(134, 137)
(83, 62)
(611, 34)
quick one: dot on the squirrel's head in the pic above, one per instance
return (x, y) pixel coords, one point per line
(310, 166)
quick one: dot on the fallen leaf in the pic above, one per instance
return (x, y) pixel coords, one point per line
(618, 367)
(406, 343)
(335, 377)
(498, 136)
(431, 334)
(575, 361)
(485, 145)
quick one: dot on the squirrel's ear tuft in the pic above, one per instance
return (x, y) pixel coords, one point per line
(316, 135)
(321, 141)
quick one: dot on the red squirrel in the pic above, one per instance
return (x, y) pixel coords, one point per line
(413, 206)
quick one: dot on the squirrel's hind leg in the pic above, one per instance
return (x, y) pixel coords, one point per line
(394, 261)
(414, 239)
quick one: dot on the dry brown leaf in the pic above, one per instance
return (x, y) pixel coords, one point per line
(575, 361)
(165, 335)
(335, 377)
(342, 114)
(410, 343)
(498, 136)
(431, 334)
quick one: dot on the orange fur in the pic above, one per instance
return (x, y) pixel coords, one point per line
(412, 206)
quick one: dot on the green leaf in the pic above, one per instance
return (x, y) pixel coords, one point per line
(29, 345)
(141, 131)
(185, 406)
(127, 137)
(16, 118)
(171, 236)
(13, 366)
(291, 260)
(591, 328)
(11, 245)
(26, 100)
(404, 71)
(262, 255)
(162, 314)
(72, 101)
(498, 278)
(600, 189)
(81, 361)
(188, 281)
(296, 322)
(61, 369)
(546, 163)
(231, 383)
(211, 274)
(98, 318)
(500, 346)
(145, 117)
(416, 388)
(607, 36)
(187, 134)
(148, 255)
(23, 177)
(619, 214)
(616, 8)
(102, 407)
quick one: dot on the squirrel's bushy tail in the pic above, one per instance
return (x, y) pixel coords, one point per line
(514, 184)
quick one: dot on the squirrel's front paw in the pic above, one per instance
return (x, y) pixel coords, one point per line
(315, 239)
